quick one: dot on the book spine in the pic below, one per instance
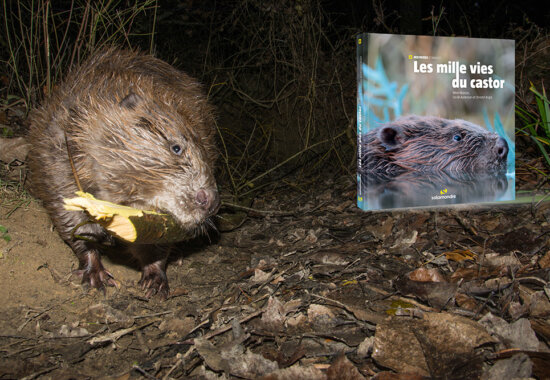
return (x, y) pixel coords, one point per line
(361, 49)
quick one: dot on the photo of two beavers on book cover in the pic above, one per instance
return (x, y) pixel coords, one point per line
(435, 121)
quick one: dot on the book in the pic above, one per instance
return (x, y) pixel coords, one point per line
(435, 121)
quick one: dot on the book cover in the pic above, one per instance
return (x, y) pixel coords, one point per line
(435, 121)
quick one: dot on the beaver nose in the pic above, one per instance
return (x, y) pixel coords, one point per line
(208, 200)
(501, 148)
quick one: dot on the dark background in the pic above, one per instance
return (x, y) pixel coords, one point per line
(281, 73)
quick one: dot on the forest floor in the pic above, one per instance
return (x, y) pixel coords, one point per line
(311, 288)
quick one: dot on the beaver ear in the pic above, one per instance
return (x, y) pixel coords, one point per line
(130, 101)
(390, 136)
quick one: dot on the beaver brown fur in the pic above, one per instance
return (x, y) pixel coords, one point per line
(431, 144)
(141, 134)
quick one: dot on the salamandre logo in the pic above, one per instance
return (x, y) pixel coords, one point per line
(443, 195)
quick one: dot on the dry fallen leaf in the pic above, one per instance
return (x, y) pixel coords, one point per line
(495, 260)
(234, 359)
(397, 343)
(518, 334)
(274, 315)
(544, 261)
(427, 275)
(518, 366)
(460, 255)
(343, 369)
(296, 372)
(321, 315)
(437, 294)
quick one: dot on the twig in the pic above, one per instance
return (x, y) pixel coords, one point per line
(153, 315)
(250, 209)
(39, 373)
(142, 371)
(38, 314)
(114, 336)
(225, 328)
(179, 361)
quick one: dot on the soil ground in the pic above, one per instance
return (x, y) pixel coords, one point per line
(311, 289)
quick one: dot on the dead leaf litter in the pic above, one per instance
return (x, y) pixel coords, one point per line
(320, 291)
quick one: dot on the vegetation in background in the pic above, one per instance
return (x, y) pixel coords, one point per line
(536, 123)
(12, 192)
(5, 132)
(282, 73)
(42, 39)
(4, 234)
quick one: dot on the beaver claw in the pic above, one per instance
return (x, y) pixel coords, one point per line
(96, 278)
(154, 281)
(92, 272)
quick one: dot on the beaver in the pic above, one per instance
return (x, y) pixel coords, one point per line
(431, 144)
(140, 133)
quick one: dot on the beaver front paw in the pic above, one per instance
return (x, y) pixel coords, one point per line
(93, 274)
(154, 281)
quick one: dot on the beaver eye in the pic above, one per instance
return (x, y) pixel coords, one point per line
(176, 149)
(457, 137)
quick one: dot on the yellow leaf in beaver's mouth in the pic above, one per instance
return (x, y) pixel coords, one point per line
(127, 223)
(97, 208)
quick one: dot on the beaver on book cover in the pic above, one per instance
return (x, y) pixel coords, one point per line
(429, 144)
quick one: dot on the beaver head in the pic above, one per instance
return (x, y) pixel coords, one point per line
(143, 154)
(430, 144)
